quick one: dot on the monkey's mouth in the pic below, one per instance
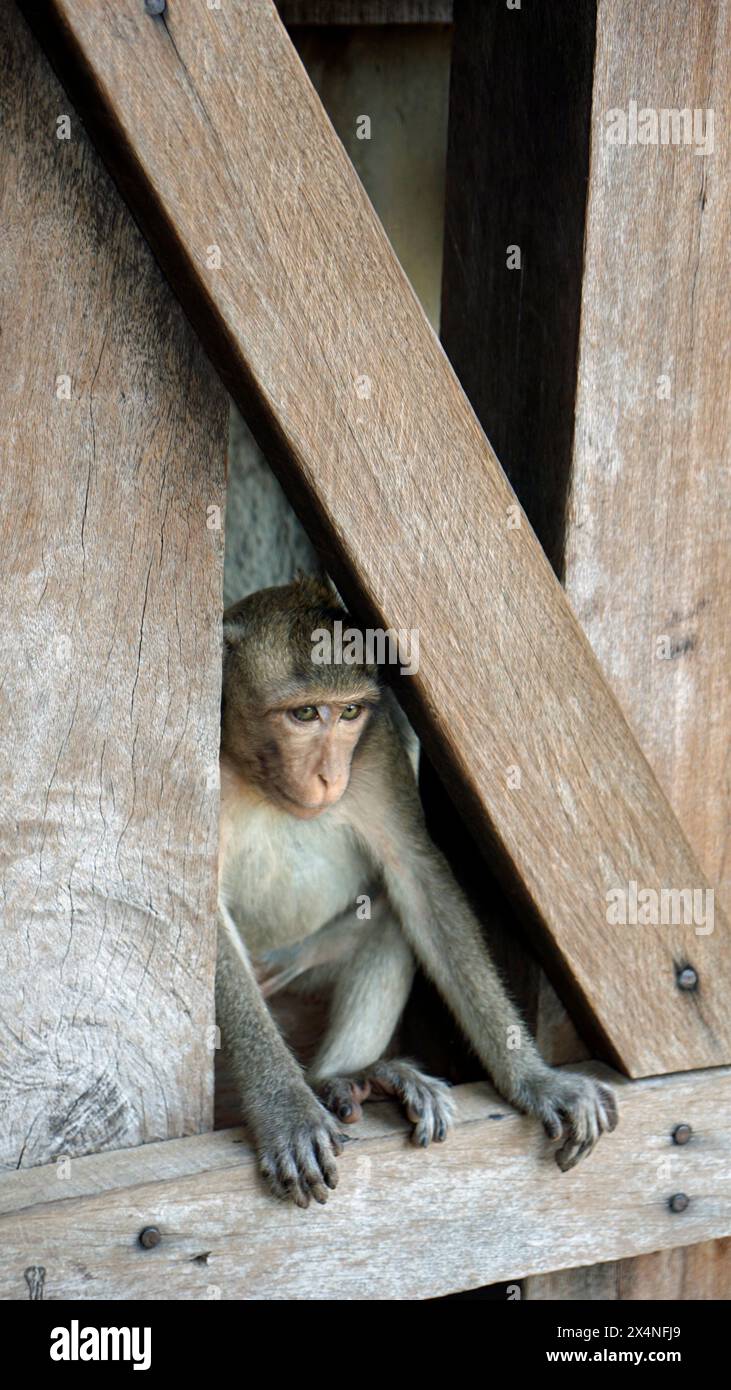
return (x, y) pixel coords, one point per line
(301, 808)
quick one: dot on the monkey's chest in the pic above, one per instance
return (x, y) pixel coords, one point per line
(285, 880)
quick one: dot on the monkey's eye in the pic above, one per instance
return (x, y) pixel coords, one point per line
(305, 713)
(351, 711)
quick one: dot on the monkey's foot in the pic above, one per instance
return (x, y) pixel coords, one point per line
(571, 1107)
(297, 1147)
(426, 1101)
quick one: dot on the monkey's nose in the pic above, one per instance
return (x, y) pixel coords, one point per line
(331, 786)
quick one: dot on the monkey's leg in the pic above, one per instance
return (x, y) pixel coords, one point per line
(370, 993)
(295, 1137)
(369, 998)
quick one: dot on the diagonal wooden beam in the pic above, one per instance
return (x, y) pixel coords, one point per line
(493, 1188)
(225, 154)
(524, 80)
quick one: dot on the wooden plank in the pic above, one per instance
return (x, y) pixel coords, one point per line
(366, 11)
(332, 360)
(523, 80)
(635, 453)
(693, 1272)
(493, 1187)
(528, 89)
(649, 496)
(110, 655)
(94, 1174)
(648, 552)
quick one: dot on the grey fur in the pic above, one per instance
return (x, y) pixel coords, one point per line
(287, 891)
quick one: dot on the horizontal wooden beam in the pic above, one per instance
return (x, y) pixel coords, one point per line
(404, 1223)
(366, 11)
(227, 158)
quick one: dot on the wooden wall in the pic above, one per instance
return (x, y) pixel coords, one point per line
(600, 370)
(648, 541)
(648, 554)
(143, 906)
(112, 455)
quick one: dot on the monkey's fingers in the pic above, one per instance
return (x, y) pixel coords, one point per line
(281, 1174)
(316, 1173)
(328, 1166)
(578, 1110)
(609, 1108)
(579, 1143)
(593, 1116)
(300, 1165)
(344, 1095)
(277, 969)
(425, 1099)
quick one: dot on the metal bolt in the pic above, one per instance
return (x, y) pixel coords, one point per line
(35, 1278)
(679, 1202)
(154, 6)
(682, 1134)
(149, 1237)
(687, 978)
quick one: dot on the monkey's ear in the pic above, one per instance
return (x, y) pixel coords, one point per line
(318, 588)
(233, 634)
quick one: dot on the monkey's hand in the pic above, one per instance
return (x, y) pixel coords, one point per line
(297, 1143)
(426, 1101)
(571, 1107)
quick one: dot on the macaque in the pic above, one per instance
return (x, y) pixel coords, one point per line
(320, 812)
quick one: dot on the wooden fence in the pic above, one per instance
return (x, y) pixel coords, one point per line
(112, 520)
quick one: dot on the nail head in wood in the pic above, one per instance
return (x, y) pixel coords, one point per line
(154, 6)
(682, 1134)
(149, 1237)
(687, 978)
(679, 1202)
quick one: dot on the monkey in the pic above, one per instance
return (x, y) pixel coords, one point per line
(320, 811)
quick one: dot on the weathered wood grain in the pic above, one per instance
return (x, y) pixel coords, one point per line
(109, 629)
(525, 81)
(648, 514)
(648, 551)
(220, 142)
(366, 11)
(629, 438)
(514, 228)
(690, 1273)
(404, 1223)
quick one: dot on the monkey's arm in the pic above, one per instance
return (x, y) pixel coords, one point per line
(447, 939)
(448, 942)
(329, 946)
(295, 1137)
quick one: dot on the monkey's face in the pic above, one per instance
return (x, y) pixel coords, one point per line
(304, 758)
(291, 723)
